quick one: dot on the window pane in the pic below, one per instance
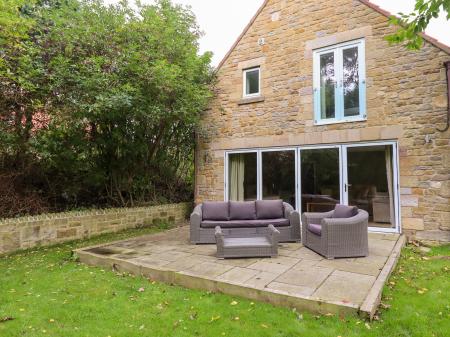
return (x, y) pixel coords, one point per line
(278, 171)
(351, 81)
(242, 176)
(370, 180)
(327, 81)
(320, 179)
(252, 82)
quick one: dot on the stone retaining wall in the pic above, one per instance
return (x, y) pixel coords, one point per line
(28, 232)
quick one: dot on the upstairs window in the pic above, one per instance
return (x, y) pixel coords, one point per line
(252, 82)
(339, 83)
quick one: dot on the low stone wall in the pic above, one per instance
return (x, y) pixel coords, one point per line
(47, 229)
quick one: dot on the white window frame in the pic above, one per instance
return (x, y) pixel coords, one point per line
(339, 89)
(244, 86)
(343, 174)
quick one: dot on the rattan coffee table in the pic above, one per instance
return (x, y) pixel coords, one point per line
(230, 246)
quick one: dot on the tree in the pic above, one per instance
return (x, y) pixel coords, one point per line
(120, 90)
(411, 25)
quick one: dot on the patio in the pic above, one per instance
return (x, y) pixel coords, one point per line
(297, 278)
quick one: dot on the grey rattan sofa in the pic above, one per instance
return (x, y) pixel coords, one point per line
(256, 246)
(244, 219)
(342, 232)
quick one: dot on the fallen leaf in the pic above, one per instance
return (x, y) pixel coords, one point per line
(264, 326)
(141, 290)
(214, 318)
(233, 303)
(367, 326)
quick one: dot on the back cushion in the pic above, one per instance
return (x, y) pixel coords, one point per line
(215, 211)
(344, 211)
(242, 210)
(269, 209)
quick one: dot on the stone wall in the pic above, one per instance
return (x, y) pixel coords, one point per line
(27, 232)
(406, 102)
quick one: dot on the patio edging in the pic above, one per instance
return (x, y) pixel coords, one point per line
(190, 281)
(373, 298)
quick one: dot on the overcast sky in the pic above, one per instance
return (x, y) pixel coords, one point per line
(222, 21)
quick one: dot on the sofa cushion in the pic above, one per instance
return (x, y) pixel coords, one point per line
(242, 210)
(245, 223)
(215, 211)
(314, 228)
(344, 211)
(269, 209)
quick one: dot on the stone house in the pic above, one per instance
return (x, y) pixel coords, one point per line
(313, 106)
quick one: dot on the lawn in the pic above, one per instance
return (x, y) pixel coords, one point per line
(46, 292)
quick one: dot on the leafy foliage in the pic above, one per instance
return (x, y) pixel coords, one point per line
(411, 25)
(101, 102)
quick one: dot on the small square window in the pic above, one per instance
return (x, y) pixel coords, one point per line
(252, 82)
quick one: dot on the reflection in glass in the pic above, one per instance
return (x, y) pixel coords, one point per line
(351, 81)
(252, 82)
(242, 176)
(278, 171)
(327, 83)
(370, 183)
(320, 179)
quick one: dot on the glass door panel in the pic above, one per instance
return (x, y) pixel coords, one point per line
(370, 186)
(350, 81)
(320, 179)
(242, 176)
(278, 176)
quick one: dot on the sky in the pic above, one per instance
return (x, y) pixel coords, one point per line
(223, 21)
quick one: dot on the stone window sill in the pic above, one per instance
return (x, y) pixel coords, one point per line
(250, 100)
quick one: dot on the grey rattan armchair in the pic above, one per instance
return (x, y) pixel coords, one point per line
(336, 237)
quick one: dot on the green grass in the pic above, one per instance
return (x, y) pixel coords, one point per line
(47, 293)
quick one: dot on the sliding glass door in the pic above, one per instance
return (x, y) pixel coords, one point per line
(370, 182)
(278, 176)
(320, 179)
(242, 176)
(316, 178)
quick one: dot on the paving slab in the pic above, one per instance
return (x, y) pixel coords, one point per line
(297, 278)
(261, 280)
(294, 290)
(238, 275)
(351, 266)
(269, 267)
(345, 287)
(208, 269)
(312, 277)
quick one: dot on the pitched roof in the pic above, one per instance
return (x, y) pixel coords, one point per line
(377, 8)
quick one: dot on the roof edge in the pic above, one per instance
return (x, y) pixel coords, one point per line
(375, 7)
(425, 36)
(253, 19)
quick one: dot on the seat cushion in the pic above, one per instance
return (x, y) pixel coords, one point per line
(215, 211)
(242, 210)
(245, 223)
(269, 209)
(314, 228)
(344, 211)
